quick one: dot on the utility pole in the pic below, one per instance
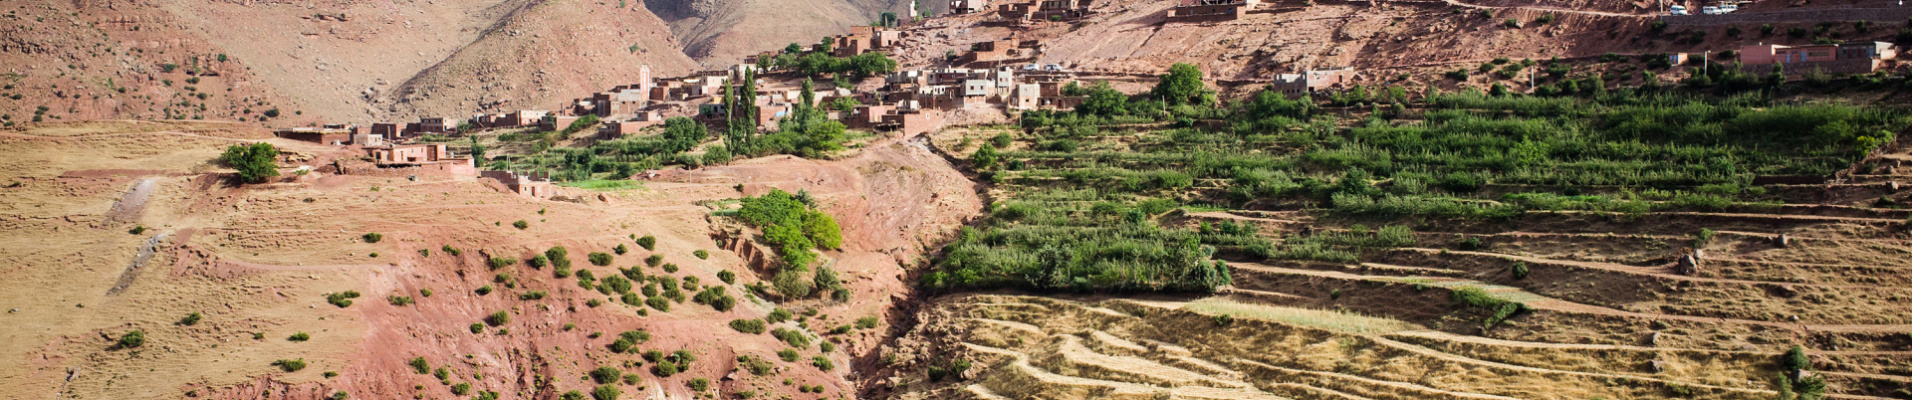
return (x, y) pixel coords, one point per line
(1706, 59)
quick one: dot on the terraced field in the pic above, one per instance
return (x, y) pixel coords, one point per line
(1351, 280)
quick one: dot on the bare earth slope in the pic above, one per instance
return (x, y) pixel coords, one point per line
(722, 32)
(314, 61)
(257, 262)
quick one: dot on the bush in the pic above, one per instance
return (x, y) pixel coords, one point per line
(654, 260)
(342, 299)
(290, 365)
(461, 388)
(520, 224)
(531, 295)
(190, 319)
(751, 326)
(701, 254)
(606, 374)
(373, 237)
(866, 322)
(794, 338)
(699, 384)
(453, 251)
(660, 303)
(600, 259)
(477, 328)
(132, 339)
(298, 337)
(483, 290)
(648, 242)
(777, 315)
(1795, 360)
(400, 301)
(421, 366)
(498, 318)
(728, 277)
(620, 249)
(1520, 270)
(788, 355)
(822, 363)
(501, 262)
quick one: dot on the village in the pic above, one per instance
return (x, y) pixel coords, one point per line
(1000, 77)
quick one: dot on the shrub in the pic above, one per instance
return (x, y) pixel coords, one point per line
(750, 326)
(501, 262)
(290, 365)
(606, 374)
(461, 388)
(477, 328)
(520, 224)
(788, 355)
(190, 320)
(1520, 270)
(498, 318)
(572, 395)
(537, 261)
(777, 315)
(453, 251)
(827, 346)
(654, 260)
(600, 259)
(660, 303)
(700, 384)
(866, 322)
(400, 301)
(483, 290)
(822, 363)
(531, 295)
(299, 337)
(792, 337)
(728, 277)
(373, 237)
(701, 254)
(132, 339)
(620, 249)
(648, 242)
(421, 366)
(671, 268)
(1795, 360)
(342, 299)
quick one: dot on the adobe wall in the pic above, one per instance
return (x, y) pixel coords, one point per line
(1861, 66)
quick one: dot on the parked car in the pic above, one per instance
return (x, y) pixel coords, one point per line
(1726, 8)
(1032, 67)
(1709, 10)
(1053, 67)
(1677, 10)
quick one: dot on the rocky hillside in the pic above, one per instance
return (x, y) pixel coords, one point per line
(720, 32)
(314, 61)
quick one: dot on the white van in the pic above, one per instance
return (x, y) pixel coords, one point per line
(1709, 10)
(1726, 8)
(1677, 10)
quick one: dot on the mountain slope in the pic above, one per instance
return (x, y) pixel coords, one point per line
(539, 54)
(720, 32)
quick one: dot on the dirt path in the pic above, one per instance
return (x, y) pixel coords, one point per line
(145, 254)
(1628, 269)
(1547, 9)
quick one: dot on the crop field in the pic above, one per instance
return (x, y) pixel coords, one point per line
(1623, 245)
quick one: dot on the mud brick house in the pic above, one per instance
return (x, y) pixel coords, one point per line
(521, 118)
(994, 52)
(615, 130)
(867, 116)
(1843, 58)
(968, 6)
(331, 134)
(1061, 10)
(556, 122)
(864, 39)
(1312, 81)
(531, 184)
(1027, 97)
(437, 125)
(1210, 10)
(1016, 11)
(389, 131)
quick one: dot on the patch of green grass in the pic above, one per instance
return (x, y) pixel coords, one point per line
(604, 184)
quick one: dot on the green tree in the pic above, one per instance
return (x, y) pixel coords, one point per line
(255, 162)
(477, 150)
(826, 46)
(985, 157)
(1182, 85)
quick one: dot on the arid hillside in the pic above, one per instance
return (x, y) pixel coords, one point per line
(224, 280)
(333, 61)
(722, 32)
